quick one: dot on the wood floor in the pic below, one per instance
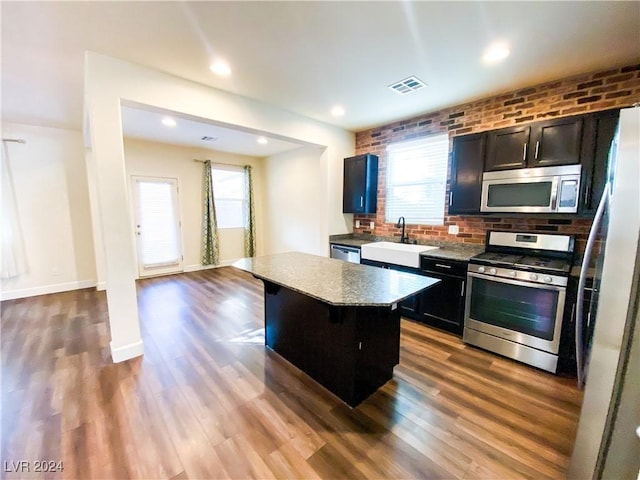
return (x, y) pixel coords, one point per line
(208, 400)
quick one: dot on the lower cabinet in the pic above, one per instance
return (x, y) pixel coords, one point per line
(567, 352)
(441, 306)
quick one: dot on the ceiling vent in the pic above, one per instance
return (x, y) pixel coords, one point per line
(209, 139)
(408, 85)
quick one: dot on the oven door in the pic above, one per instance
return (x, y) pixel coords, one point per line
(522, 312)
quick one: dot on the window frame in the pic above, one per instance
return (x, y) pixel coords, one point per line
(419, 147)
(216, 196)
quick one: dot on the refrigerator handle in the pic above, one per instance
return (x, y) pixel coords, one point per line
(580, 360)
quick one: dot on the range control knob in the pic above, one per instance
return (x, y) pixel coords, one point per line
(481, 269)
(547, 279)
(533, 276)
(492, 271)
(513, 274)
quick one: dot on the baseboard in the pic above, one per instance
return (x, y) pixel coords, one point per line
(196, 268)
(101, 286)
(126, 352)
(46, 289)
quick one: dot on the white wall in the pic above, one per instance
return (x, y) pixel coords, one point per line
(108, 83)
(52, 199)
(294, 196)
(174, 161)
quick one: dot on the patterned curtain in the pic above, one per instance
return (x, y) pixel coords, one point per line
(250, 219)
(210, 249)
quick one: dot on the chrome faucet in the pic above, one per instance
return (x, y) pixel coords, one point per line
(403, 238)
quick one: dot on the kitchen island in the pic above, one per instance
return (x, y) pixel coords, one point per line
(338, 322)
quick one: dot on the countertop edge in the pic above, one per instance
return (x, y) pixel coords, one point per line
(341, 304)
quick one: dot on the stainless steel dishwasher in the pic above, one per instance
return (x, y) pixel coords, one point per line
(348, 254)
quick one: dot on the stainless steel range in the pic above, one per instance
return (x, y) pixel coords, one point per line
(515, 296)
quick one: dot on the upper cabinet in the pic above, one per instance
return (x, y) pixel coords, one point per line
(600, 128)
(555, 142)
(360, 184)
(541, 144)
(584, 139)
(507, 148)
(466, 174)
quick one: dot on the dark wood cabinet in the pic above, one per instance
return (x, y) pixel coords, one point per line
(555, 142)
(507, 148)
(600, 128)
(541, 144)
(442, 305)
(360, 184)
(466, 173)
(567, 352)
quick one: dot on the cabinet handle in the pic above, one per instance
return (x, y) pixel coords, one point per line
(537, 147)
(443, 266)
(450, 198)
(462, 289)
(361, 202)
(524, 152)
(587, 199)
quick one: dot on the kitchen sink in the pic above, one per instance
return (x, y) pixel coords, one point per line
(396, 253)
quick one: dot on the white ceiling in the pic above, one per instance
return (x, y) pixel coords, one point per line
(307, 56)
(147, 124)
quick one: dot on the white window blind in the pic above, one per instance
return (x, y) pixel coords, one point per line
(157, 216)
(417, 180)
(229, 194)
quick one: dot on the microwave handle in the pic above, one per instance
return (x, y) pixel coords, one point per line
(554, 194)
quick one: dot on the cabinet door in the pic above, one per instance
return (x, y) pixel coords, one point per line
(600, 128)
(355, 178)
(442, 305)
(466, 174)
(555, 142)
(360, 187)
(507, 148)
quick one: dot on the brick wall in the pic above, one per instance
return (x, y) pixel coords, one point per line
(571, 96)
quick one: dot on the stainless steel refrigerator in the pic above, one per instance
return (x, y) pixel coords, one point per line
(607, 443)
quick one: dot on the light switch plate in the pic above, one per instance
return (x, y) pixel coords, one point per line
(357, 223)
(454, 229)
(371, 225)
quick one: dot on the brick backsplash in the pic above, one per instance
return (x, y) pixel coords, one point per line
(586, 93)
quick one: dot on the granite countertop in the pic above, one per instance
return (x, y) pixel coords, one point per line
(334, 281)
(350, 242)
(461, 252)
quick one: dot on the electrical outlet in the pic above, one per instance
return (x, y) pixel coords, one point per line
(371, 225)
(454, 229)
(357, 223)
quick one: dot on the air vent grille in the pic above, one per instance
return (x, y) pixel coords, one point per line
(408, 85)
(209, 139)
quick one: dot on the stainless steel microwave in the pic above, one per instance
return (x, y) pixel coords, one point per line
(532, 190)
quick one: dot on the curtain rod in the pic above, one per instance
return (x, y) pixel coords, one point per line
(219, 163)
(16, 140)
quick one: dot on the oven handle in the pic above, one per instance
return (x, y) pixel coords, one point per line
(517, 282)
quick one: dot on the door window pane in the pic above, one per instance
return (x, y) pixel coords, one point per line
(158, 233)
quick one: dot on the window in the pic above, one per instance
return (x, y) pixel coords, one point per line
(417, 180)
(230, 199)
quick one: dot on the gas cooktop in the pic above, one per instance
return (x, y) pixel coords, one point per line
(540, 253)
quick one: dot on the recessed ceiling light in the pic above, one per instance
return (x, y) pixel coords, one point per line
(221, 67)
(337, 111)
(262, 140)
(168, 122)
(496, 52)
